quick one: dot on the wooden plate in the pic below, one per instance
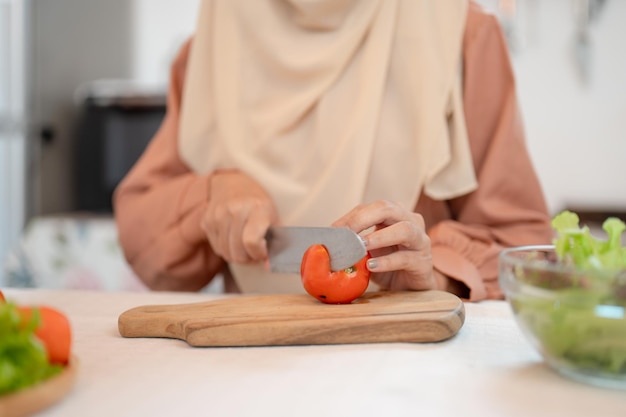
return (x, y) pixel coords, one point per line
(31, 400)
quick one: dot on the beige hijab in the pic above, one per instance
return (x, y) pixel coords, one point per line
(328, 104)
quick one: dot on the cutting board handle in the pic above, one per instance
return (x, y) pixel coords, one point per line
(155, 320)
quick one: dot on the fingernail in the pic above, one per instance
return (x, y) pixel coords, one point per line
(372, 264)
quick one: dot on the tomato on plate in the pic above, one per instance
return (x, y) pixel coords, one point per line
(54, 332)
(332, 287)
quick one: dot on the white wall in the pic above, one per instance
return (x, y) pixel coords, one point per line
(159, 29)
(575, 128)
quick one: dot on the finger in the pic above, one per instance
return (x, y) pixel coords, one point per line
(222, 225)
(253, 234)
(382, 212)
(236, 247)
(212, 230)
(412, 261)
(412, 282)
(405, 234)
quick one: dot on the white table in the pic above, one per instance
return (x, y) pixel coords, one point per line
(488, 369)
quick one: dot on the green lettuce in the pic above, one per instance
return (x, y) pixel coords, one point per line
(584, 327)
(23, 358)
(575, 245)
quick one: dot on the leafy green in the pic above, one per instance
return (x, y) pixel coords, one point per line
(576, 332)
(575, 245)
(23, 358)
(584, 325)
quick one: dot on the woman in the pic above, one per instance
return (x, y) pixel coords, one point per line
(395, 118)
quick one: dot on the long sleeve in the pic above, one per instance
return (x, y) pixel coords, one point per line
(508, 208)
(159, 205)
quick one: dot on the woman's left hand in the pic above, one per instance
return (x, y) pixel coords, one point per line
(399, 246)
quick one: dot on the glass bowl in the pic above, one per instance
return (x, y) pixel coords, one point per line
(575, 319)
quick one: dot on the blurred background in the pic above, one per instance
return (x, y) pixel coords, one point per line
(82, 90)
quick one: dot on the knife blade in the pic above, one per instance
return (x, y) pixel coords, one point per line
(286, 246)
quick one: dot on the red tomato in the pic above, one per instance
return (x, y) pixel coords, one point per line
(2, 296)
(339, 287)
(54, 332)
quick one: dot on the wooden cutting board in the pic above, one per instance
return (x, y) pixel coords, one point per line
(290, 319)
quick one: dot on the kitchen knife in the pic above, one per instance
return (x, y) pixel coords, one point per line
(286, 246)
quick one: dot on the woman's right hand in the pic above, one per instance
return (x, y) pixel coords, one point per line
(238, 215)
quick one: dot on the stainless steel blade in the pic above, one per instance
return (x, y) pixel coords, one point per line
(286, 246)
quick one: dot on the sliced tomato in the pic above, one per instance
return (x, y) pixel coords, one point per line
(332, 287)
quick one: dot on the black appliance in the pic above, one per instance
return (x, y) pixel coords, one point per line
(113, 131)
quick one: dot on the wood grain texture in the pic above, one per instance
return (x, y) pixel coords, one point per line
(290, 319)
(29, 401)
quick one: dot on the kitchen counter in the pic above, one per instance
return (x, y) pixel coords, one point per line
(487, 369)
